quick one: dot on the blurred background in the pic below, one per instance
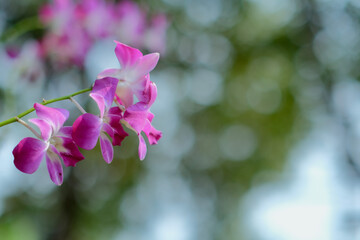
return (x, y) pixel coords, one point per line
(258, 102)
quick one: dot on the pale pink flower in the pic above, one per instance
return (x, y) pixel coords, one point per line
(133, 75)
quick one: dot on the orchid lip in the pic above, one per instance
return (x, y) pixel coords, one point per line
(55, 141)
(105, 119)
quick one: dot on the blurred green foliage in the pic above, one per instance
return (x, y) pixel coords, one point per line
(261, 89)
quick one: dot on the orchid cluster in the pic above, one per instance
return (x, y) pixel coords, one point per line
(73, 27)
(114, 92)
(70, 28)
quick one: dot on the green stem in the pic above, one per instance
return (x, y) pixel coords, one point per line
(45, 102)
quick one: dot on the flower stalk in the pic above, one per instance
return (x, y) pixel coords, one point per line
(28, 127)
(44, 102)
(81, 109)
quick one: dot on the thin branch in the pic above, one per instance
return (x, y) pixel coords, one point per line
(14, 119)
(77, 105)
(28, 127)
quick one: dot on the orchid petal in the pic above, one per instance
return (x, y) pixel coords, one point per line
(86, 130)
(55, 116)
(126, 55)
(106, 148)
(44, 126)
(142, 147)
(103, 93)
(108, 129)
(125, 94)
(119, 132)
(100, 101)
(151, 94)
(28, 154)
(112, 72)
(115, 111)
(54, 166)
(147, 63)
(136, 117)
(152, 134)
(150, 116)
(148, 96)
(69, 152)
(65, 131)
(140, 85)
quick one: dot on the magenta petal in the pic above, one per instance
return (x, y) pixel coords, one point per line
(136, 117)
(103, 93)
(126, 55)
(100, 102)
(154, 135)
(115, 111)
(151, 94)
(28, 154)
(150, 116)
(148, 96)
(65, 132)
(44, 126)
(54, 166)
(106, 148)
(115, 131)
(119, 132)
(142, 147)
(69, 152)
(147, 63)
(108, 129)
(86, 130)
(55, 116)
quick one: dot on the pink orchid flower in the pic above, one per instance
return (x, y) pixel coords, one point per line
(88, 128)
(134, 73)
(138, 118)
(55, 143)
